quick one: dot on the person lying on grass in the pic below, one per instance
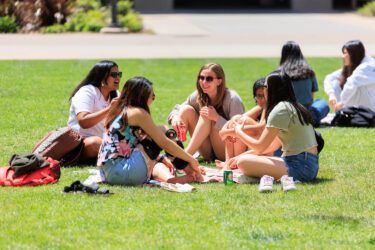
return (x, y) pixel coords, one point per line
(254, 124)
(292, 123)
(206, 111)
(90, 103)
(130, 148)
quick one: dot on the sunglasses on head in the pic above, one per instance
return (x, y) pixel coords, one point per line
(115, 74)
(208, 78)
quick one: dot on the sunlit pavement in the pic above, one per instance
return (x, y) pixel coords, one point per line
(198, 34)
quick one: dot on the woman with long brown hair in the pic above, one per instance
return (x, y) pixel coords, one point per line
(292, 123)
(131, 146)
(354, 84)
(206, 111)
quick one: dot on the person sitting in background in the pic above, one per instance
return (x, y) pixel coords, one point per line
(303, 78)
(206, 111)
(354, 83)
(90, 103)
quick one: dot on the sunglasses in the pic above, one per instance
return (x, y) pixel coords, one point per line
(153, 96)
(115, 74)
(208, 78)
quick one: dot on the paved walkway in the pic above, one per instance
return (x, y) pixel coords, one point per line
(199, 34)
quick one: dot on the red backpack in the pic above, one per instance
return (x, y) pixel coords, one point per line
(38, 177)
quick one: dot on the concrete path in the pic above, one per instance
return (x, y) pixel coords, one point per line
(198, 34)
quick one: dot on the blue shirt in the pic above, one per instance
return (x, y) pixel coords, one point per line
(303, 89)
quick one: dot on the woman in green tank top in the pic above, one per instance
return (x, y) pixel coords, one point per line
(292, 123)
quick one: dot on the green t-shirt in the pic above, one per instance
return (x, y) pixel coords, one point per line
(295, 138)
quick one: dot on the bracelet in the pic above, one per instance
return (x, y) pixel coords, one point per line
(161, 158)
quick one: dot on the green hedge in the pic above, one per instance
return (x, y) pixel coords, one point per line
(368, 9)
(8, 25)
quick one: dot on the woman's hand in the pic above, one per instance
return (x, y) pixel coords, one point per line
(239, 126)
(332, 101)
(177, 122)
(339, 105)
(209, 113)
(193, 169)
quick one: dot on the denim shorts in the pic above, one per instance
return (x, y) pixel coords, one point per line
(302, 167)
(122, 171)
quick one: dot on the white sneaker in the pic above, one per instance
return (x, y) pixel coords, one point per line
(266, 184)
(287, 183)
(244, 179)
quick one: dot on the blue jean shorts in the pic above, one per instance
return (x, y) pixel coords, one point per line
(122, 171)
(302, 167)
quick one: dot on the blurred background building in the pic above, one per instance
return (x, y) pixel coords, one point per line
(293, 5)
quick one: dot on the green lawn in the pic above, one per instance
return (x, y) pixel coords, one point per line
(335, 211)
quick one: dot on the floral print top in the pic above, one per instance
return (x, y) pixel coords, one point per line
(118, 144)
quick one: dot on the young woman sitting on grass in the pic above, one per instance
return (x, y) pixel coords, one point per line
(254, 124)
(292, 123)
(354, 84)
(206, 111)
(90, 103)
(130, 149)
(304, 81)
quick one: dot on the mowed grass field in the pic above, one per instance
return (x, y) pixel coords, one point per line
(335, 211)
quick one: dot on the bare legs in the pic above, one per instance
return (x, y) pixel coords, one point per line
(257, 166)
(91, 147)
(204, 136)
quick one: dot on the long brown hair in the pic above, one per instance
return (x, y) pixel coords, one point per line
(280, 88)
(135, 92)
(356, 52)
(203, 98)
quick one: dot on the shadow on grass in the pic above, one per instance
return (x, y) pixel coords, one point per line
(320, 181)
(335, 219)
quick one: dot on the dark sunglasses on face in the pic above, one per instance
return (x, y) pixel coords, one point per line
(153, 96)
(208, 78)
(115, 74)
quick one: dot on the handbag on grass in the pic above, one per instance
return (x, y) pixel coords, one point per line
(39, 176)
(61, 144)
(354, 116)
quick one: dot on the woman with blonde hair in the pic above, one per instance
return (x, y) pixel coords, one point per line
(206, 111)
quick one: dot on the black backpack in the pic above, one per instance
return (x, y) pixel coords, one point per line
(354, 116)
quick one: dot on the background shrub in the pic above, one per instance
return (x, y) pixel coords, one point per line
(368, 9)
(132, 21)
(56, 28)
(8, 25)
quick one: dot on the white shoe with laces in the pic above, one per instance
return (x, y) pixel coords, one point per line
(287, 183)
(266, 184)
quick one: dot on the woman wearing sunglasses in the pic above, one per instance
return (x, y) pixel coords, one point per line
(90, 103)
(206, 111)
(130, 151)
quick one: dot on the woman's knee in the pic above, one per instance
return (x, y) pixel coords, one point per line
(91, 146)
(188, 113)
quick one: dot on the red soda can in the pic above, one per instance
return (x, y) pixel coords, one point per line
(182, 132)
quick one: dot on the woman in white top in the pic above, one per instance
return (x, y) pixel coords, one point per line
(354, 84)
(90, 103)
